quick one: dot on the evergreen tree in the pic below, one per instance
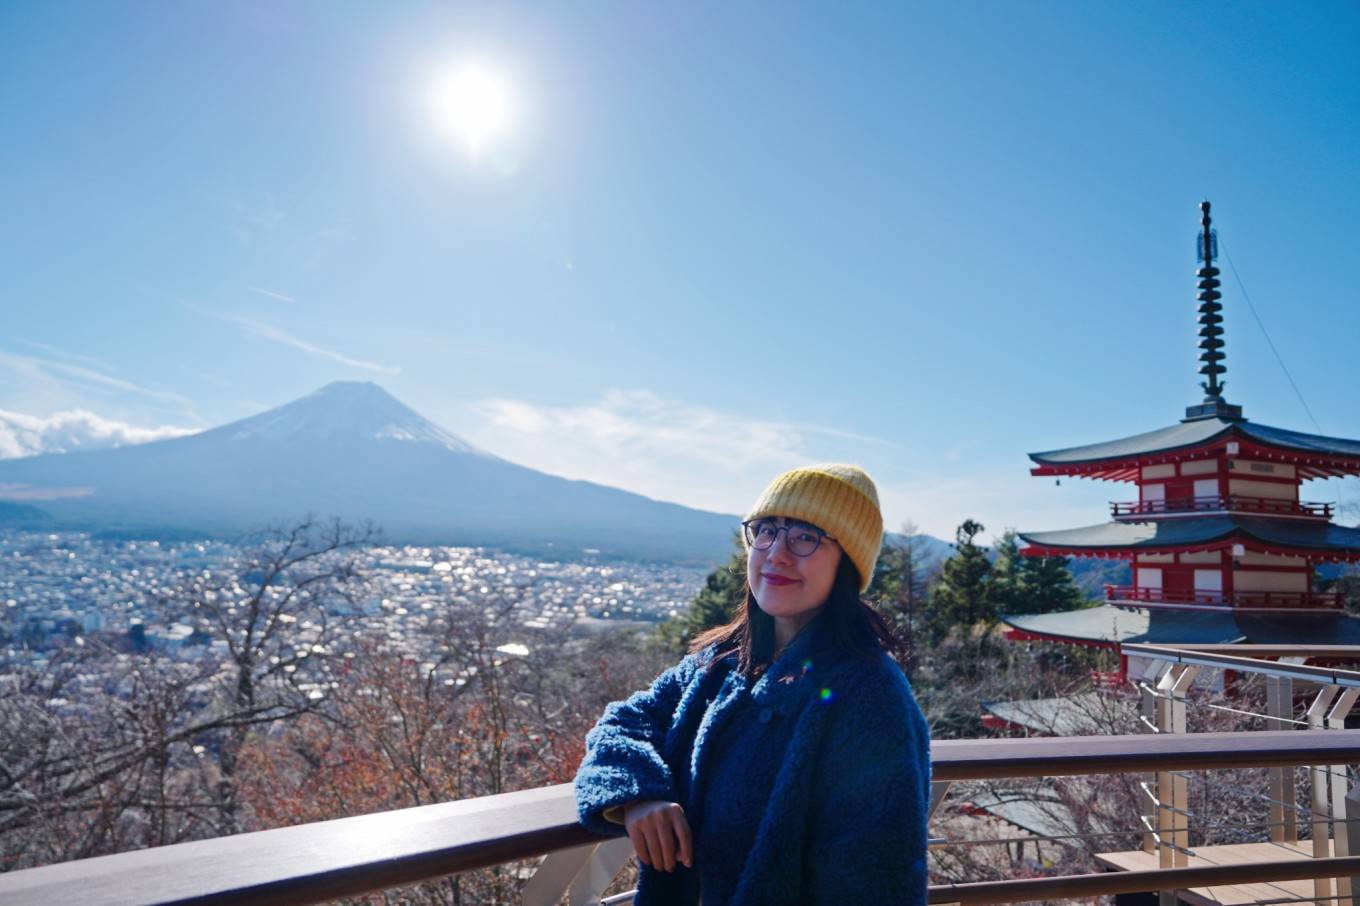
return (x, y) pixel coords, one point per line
(1007, 580)
(1021, 584)
(1346, 584)
(1048, 586)
(715, 605)
(961, 597)
(899, 590)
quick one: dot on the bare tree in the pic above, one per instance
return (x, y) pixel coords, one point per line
(276, 612)
(104, 749)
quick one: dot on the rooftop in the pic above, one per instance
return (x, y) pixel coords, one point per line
(1109, 626)
(1317, 540)
(1319, 456)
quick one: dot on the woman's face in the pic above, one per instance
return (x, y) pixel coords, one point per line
(790, 588)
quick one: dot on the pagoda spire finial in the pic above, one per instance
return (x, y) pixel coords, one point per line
(1210, 330)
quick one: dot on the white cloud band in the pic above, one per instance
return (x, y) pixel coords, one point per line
(64, 432)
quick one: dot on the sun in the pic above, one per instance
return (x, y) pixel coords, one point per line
(473, 104)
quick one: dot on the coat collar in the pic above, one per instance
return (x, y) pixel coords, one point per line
(793, 677)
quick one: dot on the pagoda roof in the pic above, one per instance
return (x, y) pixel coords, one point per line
(1108, 626)
(1035, 812)
(1066, 715)
(1122, 539)
(1190, 435)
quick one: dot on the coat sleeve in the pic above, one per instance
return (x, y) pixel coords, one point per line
(867, 841)
(623, 760)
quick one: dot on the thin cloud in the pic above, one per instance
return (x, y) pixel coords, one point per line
(266, 332)
(77, 429)
(273, 295)
(83, 378)
(68, 356)
(664, 449)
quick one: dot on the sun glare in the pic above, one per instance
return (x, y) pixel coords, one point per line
(473, 105)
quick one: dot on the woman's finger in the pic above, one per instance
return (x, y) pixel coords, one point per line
(665, 837)
(682, 834)
(639, 838)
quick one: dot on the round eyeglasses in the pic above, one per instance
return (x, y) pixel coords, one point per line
(800, 539)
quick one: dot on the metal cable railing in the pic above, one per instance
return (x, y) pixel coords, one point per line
(1316, 809)
(1172, 830)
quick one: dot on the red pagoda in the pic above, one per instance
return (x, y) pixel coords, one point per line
(1221, 545)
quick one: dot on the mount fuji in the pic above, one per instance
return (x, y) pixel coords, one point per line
(353, 450)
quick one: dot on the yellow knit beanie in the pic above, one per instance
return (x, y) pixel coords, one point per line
(836, 497)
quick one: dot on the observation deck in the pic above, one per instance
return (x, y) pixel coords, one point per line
(317, 862)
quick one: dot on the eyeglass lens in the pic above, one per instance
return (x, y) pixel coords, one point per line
(800, 540)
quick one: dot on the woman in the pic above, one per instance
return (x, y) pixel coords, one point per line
(784, 760)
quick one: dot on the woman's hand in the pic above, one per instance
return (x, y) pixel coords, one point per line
(660, 834)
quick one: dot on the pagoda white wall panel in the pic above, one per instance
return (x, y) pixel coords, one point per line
(1202, 557)
(1148, 492)
(1261, 580)
(1166, 470)
(1275, 490)
(1149, 577)
(1208, 580)
(1200, 467)
(1206, 487)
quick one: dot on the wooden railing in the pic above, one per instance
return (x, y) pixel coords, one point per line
(1215, 503)
(312, 863)
(1291, 601)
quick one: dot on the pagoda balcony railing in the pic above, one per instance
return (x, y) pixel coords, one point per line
(1288, 601)
(348, 857)
(1217, 503)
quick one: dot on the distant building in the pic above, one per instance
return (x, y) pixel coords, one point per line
(1223, 548)
(173, 637)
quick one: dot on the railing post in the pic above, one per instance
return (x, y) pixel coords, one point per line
(1166, 795)
(1316, 715)
(1280, 708)
(582, 872)
(938, 790)
(555, 874)
(1180, 784)
(1172, 787)
(1343, 843)
(1148, 689)
(1350, 886)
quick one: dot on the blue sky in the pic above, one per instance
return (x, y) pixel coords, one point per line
(715, 240)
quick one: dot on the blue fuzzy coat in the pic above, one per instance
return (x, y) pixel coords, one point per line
(845, 821)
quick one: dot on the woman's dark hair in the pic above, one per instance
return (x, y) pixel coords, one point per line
(852, 626)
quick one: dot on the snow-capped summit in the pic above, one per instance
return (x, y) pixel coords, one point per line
(345, 409)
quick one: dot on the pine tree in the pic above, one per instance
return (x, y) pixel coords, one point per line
(1007, 579)
(1048, 586)
(715, 605)
(899, 589)
(962, 596)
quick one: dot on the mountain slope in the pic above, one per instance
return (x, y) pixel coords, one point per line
(353, 450)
